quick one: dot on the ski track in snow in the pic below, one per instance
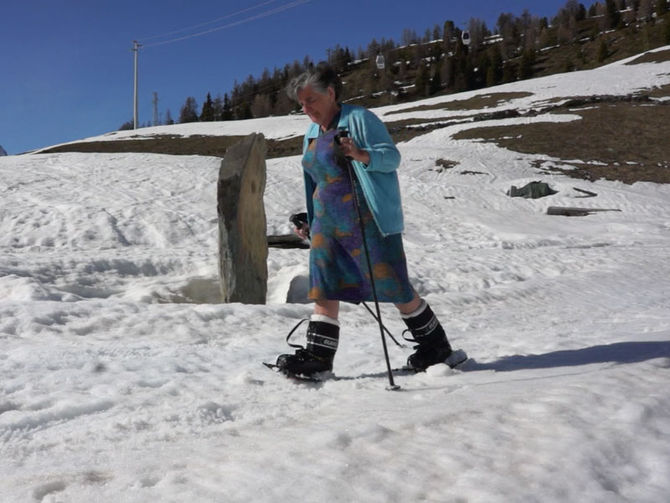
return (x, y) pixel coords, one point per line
(122, 380)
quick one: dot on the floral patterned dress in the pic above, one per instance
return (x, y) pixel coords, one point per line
(337, 264)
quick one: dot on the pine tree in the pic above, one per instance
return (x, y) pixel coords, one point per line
(603, 52)
(567, 21)
(446, 68)
(243, 111)
(207, 113)
(168, 118)
(217, 108)
(507, 28)
(612, 14)
(581, 13)
(478, 32)
(409, 37)
(494, 72)
(526, 65)
(284, 105)
(127, 126)
(435, 85)
(261, 107)
(189, 111)
(448, 33)
(422, 80)
(227, 111)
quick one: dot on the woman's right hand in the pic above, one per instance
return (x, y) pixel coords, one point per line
(303, 231)
(300, 225)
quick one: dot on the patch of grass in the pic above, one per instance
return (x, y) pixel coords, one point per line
(660, 91)
(629, 140)
(446, 164)
(405, 130)
(215, 146)
(163, 144)
(477, 102)
(418, 122)
(441, 165)
(284, 148)
(627, 173)
(652, 57)
(627, 136)
(469, 172)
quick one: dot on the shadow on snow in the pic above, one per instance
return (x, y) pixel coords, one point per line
(620, 352)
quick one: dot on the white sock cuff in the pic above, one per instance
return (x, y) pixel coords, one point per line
(422, 307)
(324, 319)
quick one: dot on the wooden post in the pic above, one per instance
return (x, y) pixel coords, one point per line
(243, 247)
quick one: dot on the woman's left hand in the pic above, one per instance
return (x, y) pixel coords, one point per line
(350, 149)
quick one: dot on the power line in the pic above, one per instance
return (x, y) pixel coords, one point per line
(261, 15)
(210, 22)
(266, 13)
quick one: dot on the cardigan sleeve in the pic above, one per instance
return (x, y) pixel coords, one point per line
(371, 135)
(308, 182)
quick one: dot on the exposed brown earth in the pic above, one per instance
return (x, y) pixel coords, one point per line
(616, 141)
(617, 138)
(178, 145)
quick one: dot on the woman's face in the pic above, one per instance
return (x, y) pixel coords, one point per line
(319, 107)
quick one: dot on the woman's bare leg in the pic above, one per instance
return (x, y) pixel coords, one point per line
(330, 308)
(411, 306)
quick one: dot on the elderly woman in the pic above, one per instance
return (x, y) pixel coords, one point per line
(338, 268)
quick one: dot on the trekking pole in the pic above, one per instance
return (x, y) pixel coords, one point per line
(392, 385)
(386, 330)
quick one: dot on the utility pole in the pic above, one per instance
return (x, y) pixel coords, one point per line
(136, 50)
(155, 102)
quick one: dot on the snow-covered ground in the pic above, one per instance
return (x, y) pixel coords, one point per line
(122, 379)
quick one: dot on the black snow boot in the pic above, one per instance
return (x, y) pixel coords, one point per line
(433, 346)
(323, 335)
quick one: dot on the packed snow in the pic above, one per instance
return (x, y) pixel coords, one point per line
(123, 379)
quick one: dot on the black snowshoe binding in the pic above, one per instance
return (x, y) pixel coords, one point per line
(432, 344)
(317, 358)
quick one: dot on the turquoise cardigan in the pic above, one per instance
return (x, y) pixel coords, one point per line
(378, 179)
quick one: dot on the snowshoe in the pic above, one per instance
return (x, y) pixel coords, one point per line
(322, 341)
(433, 346)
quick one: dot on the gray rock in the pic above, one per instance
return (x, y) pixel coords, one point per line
(2, 151)
(243, 247)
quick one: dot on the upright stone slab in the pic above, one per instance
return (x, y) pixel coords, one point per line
(243, 248)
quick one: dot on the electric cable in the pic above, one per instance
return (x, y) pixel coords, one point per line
(255, 17)
(200, 25)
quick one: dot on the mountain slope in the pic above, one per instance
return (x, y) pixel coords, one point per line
(634, 102)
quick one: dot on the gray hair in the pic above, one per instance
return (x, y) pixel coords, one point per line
(319, 78)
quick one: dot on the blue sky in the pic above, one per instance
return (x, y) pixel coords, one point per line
(67, 66)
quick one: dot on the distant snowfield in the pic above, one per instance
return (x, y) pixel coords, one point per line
(606, 80)
(122, 379)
